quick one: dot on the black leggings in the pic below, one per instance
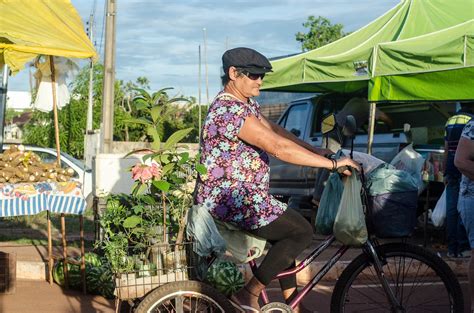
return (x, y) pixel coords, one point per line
(289, 235)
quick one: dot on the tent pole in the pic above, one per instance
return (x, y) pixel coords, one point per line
(370, 139)
(3, 102)
(55, 110)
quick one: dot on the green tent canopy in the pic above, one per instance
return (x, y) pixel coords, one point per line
(419, 50)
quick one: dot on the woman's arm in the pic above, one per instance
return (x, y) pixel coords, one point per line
(464, 159)
(256, 133)
(289, 135)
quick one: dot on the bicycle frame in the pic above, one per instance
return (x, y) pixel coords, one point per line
(302, 265)
(368, 248)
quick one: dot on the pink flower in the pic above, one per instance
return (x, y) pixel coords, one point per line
(141, 172)
(144, 172)
(155, 171)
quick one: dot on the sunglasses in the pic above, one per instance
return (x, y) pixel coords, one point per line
(253, 76)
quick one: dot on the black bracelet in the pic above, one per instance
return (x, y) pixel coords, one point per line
(335, 165)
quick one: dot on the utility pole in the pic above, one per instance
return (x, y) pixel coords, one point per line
(107, 127)
(3, 102)
(205, 65)
(199, 95)
(89, 127)
(91, 139)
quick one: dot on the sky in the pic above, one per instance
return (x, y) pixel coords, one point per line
(160, 39)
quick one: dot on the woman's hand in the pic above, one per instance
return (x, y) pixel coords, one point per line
(346, 161)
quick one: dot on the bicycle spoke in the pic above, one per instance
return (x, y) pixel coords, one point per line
(371, 300)
(416, 285)
(179, 304)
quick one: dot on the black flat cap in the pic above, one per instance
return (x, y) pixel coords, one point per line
(246, 58)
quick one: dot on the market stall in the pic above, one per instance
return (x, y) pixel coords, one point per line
(28, 30)
(54, 197)
(419, 51)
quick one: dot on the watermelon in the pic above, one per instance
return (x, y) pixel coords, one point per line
(74, 274)
(92, 259)
(225, 277)
(100, 280)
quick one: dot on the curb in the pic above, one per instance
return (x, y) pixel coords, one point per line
(31, 270)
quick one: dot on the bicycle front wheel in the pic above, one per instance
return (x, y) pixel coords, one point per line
(185, 297)
(420, 280)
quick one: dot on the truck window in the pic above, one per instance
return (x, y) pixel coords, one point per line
(325, 106)
(295, 119)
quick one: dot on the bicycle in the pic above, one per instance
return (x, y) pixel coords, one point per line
(392, 277)
(383, 278)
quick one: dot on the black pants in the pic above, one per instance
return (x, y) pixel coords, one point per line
(289, 235)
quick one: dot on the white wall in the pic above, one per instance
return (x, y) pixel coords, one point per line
(19, 100)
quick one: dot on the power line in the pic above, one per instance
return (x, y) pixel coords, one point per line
(103, 28)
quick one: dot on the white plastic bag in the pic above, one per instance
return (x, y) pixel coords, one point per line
(412, 162)
(369, 162)
(349, 226)
(439, 213)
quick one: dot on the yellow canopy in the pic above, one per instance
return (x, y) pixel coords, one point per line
(41, 27)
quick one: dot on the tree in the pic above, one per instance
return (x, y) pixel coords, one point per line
(10, 114)
(128, 96)
(320, 33)
(71, 118)
(191, 119)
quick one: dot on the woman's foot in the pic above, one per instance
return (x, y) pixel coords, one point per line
(247, 297)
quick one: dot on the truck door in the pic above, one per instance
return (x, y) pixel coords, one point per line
(283, 176)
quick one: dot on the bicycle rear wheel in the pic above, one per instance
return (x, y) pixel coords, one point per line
(183, 297)
(419, 279)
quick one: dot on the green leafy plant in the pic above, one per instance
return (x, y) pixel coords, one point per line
(155, 210)
(156, 110)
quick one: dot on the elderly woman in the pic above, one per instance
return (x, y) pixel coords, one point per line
(235, 141)
(464, 161)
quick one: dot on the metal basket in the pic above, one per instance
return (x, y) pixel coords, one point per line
(154, 265)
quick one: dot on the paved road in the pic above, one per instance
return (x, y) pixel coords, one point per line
(319, 299)
(39, 297)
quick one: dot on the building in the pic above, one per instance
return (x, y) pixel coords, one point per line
(19, 101)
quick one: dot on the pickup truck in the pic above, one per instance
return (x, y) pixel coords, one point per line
(303, 118)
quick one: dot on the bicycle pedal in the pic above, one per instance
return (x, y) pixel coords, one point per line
(276, 307)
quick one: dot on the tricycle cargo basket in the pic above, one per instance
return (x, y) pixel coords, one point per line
(152, 266)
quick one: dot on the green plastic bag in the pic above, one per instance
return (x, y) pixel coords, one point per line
(329, 204)
(349, 226)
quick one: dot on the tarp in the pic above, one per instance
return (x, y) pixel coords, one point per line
(413, 46)
(40, 27)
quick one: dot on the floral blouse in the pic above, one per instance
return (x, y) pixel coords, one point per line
(236, 187)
